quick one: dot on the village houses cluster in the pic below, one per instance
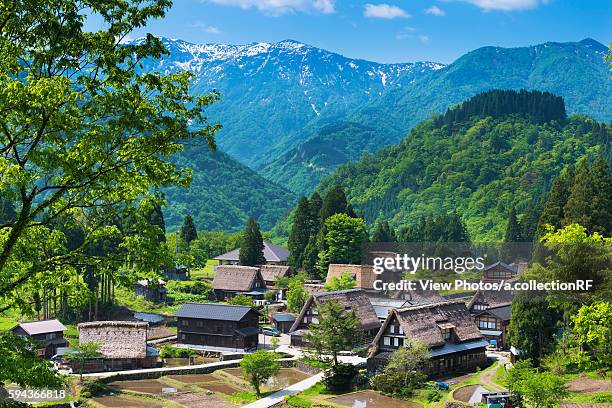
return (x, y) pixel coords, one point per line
(457, 329)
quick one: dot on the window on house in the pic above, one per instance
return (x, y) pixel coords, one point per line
(396, 341)
(184, 323)
(391, 329)
(387, 341)
(315, 320)
(401, 331)
(447, 334)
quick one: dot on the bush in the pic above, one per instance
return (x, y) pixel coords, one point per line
(398, 384)
(297, 402)
(168, 351)
(340, 377)
(192, 287)
(433, 396)
(93, 388)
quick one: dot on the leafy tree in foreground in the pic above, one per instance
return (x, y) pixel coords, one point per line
(83, 352)
(538, 389)
(405, 370)
(337, 330)
(251, 246)
(259, 367)
(592, 331)
(296, 294)
(344, 282)
(20, 364)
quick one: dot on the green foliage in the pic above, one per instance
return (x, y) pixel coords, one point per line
(334, 203)
(299, 234)
(338, 329)
(189, 291)
(341, 238)
(251, 246)
(296, 294)
(339, 378)
(433, 396)
(344, 282)
(188, 230)
(168, 351)
(445, 228)
(513, 229)
(259, 367)
(438, 170)
(538, 107)
(241, 300)
(538, 389)
(223, 193)
(532, 325)
(82, 352)
(383, 232)
(20, 364)
(592, 331)
(405, 371)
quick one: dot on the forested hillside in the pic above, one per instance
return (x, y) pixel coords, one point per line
(223, 194)
(481, 167)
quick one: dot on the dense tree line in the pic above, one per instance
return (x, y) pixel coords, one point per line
(536, 106)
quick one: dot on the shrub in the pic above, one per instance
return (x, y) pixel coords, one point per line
(168, 351)
(93, 388)
(398, 384)
(433, 396)
(297, 402)
(339, 377)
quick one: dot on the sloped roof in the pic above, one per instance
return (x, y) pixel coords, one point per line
(351, 298)
(236, 278)
(42, 326)
(492, 298)
(213, 311)
(272, 272)
(283, 317)
(512, 268)
(421, 323)
(501, 312)
(272, 253)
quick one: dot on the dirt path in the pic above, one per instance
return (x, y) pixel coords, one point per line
(486, 378)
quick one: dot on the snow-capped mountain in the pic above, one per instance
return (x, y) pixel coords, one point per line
(289, 84)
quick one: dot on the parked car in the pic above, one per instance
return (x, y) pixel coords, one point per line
(270, 331)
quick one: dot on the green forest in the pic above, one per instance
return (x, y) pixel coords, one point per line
(480, 166)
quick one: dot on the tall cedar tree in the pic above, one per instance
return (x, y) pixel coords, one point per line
(602, 200)
(334, 203)
(155, 216)
(340, 241)
(189, 233)
(552, 213)
(314, 205)
(383, 232)
(299, 234)
(579, 207)
(529, 223)
(513, 228)
(252, 246)
(311, 256)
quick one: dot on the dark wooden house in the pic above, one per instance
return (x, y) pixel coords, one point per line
(283, 321)
(448, 330)
(491, 312)
(47, 334)
(355, 299)
(499, 271)
(274, 255)
(493, 324)
(270, 275)
(218, 325)
(231, 280)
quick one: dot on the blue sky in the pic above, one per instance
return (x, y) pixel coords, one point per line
(386, 30)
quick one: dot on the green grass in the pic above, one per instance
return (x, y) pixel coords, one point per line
(7, 323)
(590, 398)
(246, 397)
(125, 297)
(207, 272)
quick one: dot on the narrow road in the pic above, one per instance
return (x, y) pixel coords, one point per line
(279, 396)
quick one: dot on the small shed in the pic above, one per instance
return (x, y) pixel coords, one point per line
(151, 290)
(283, 321)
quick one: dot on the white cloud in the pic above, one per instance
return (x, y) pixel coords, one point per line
(506, 5)
(435, 11)
(384, 11)
(279, 7)
(423, 38)
(206, 28)
(405, 33)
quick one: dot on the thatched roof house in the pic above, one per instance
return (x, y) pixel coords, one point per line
(233, 279)
(447, 328)
(274, 255)
(270, 273)
(355, 299)
(363, 275)
(117, 339)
